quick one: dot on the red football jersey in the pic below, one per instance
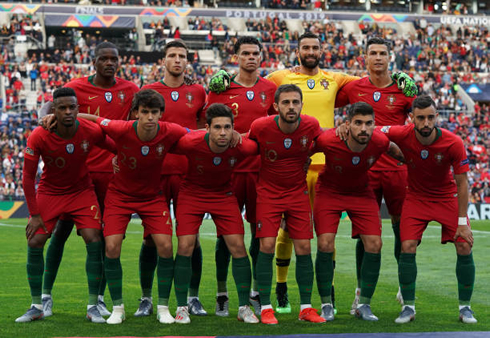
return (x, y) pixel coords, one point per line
(183, 105)
(283, 156)
(140, 162)
(429, 167)
(210, 173)
(112, 103)
(247, 104)
(391, 108)
(65, 170)
(345, 171)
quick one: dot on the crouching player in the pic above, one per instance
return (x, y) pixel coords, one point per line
(65, 189)
(343, 185)
(207, 188)
(141, 148)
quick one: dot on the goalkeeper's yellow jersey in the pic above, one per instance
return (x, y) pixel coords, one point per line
(319, 92)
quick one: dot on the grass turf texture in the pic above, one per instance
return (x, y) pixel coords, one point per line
(437, 305)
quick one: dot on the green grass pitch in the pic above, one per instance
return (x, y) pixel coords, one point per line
(437, 306)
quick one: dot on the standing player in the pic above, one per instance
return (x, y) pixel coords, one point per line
(387, 177)
(65, 188)
(284, 141)
(207, 188)
(184, 106)
(434, 194)
(102, 94)
(343, 185)
(141, 148)
(249, 97)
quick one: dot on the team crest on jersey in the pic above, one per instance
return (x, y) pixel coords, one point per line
(159, 149)
(85, 145)
(232, 161)
(121, 96)
(145, 150)
(174, 95)
(217, 160)
(356, 160)
(29, 151)
(287, 143)
(310, 83)
(439, 157)
(250, 95)
(370, 161)
(385, 129)
(324, 83)
(376, 96)
(424, 154)
(263, 98)
(391, 99)
(108, 96)
(105, 122)
(70, 148)
(189, 98)
(303, 141)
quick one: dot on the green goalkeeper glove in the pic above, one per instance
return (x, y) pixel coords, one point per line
(219, 82)
(405, 83)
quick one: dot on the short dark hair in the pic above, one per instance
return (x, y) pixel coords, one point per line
(308, 35)
(422, 102)
(218, 110)
(175, 44)
(246, 40)
(287, 88)
(360, 108)
(148, 98)
(104, 45)
(378, 41)
(63, 91)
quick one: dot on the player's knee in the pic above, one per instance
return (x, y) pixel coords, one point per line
(326, 246)
(91, 235)
(112, 249)
(409, 246)
(302, 247)
(186, 246)
(165, 249)
(373, 244)
(267, 246)
(463, 248)
(37, 241)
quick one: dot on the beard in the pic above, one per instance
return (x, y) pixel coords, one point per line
(309, 63)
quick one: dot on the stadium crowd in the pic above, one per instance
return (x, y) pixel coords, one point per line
(436, 57)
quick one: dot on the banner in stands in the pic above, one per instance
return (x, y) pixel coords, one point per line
(95, 21)
(239, 13)
(478, 91)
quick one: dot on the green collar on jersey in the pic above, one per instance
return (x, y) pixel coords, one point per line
(438, 134)
(238, 83)
(277, 121)
(166, 85)
(77, 123)
(392, 83)
(91, 80)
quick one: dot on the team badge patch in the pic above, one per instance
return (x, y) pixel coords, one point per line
(108, 96)
(105, 122)
(287, 143)
(189, 98)
(250, 95)
(145, 150)
(29, 151)
(439, 157)
(259, 225)
(324, 83)
(376, 96)
(385, 129)
(391, 99)
(463, 162)
(371, 160)
(85, 146)
(174, 95)
(310, 83)
(217, 160)
(159, 149)
(122, 96)
(304, 141)
(263, 97)
(424, 154)
(232, 161)
(70, 148)
(356, 160)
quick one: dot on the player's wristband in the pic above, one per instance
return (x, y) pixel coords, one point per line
(462, 221)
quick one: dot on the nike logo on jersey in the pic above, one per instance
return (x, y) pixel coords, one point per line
(92, 97)
(269, 142)
(233, 96)
(361, 94)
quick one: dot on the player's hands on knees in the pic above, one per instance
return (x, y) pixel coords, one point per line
(219, 82)
(48, 122)
(236, 139)
(342, 132)
(465, 233)
(115, 165)
(35, 222)
(405, 83)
